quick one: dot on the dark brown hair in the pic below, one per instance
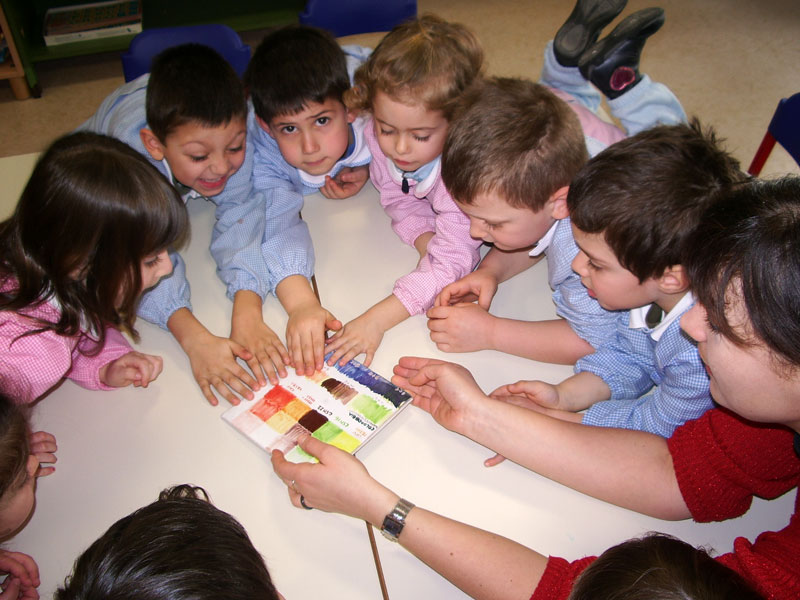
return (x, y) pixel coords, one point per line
(92, 210)
(14, 447)
(646, 194)
(513, 138)
(659, 567)
(427, 61)
(749, 244)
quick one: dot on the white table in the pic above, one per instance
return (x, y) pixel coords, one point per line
(118, 449)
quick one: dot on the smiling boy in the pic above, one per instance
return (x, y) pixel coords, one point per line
(305, 141)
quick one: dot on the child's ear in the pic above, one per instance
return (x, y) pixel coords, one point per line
(264, 125)
(152, 144)
(558, 203)
(674, 280)
(351, 115)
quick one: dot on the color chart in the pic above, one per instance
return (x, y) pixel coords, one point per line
(341, 405)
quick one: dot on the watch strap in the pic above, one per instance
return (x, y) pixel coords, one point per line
(394, 522)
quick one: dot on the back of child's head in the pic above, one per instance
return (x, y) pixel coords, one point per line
(659, 567)
(292, 66)
(192, 83)
(749, 243)
(426, 61)
(512, 138)
(14, 448)
(180, 547)
(647, 193)
(91, 211)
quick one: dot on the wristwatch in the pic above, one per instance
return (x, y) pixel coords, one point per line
(394, 522)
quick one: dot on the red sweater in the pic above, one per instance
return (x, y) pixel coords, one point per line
(721, 462)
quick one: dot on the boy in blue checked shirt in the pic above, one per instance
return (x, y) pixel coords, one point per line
(632, 207)
(196, 134)
(305, 141)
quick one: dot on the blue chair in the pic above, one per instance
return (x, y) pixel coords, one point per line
(784, 129)
(150, 42)
(347, 17)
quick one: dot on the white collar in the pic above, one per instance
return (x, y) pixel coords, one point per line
(192, 193)
(544, 242)
(419, 189)
(637, 316)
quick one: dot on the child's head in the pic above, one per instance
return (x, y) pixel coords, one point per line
(89, 232)
(634, 205)
(511, 152)
(180, 547)
(744, 264)
(410, 84)
(196, 117)
(17, 469)
(296, 79)
(659, 567)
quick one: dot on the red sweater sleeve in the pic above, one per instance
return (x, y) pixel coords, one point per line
(722, 461)
(558, 578)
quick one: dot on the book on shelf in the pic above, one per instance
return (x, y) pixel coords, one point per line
(345, 406)
(90, 21)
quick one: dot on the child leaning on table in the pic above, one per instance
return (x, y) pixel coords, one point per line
(89, 234)
(189, 118)
(179, 547)
(22, 454)
(305, 141)
(504, 158)
(632, 208)
(407, 87)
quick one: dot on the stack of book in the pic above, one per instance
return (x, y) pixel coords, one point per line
(91, 21)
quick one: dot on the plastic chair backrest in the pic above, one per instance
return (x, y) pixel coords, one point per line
(784, 129)
(150, 42)
(348, 17)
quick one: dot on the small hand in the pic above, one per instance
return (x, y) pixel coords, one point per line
(305, 336)
(534, 395)
(22, 576)
(479, 286)
(132, 368)
(214, 367)
(462, 327)
(43, 447)
(268, 354)
(348, 182)
(362, 334)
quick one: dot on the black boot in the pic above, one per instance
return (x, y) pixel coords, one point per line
(582, 28)
(612, 64)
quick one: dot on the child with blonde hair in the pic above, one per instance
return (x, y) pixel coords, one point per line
(90, 233)
(409, 86)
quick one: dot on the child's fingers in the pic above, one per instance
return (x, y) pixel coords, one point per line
(205, 387)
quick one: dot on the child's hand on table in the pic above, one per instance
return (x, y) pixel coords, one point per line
(479, 285)
(214, 367)
(305, 335)
(462, 327)
(134, 368)
(22, 576)
(361, 335)
(43, 447)
(269, 355)
(348, 182)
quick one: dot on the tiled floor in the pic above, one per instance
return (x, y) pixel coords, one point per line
(729, 63)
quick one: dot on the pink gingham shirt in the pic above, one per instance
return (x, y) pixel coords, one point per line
(33, 364)
(452, 252)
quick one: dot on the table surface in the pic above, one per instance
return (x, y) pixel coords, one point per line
(118, 449)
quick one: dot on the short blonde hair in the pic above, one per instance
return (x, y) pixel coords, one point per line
(427, 60)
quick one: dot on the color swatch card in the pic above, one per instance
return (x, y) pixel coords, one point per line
(341, 405)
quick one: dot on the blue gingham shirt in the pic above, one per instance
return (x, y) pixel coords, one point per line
(639, 358)
(584, 314)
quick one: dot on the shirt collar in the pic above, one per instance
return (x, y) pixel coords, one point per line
(637, 316)
(424, 177)
(544, 242)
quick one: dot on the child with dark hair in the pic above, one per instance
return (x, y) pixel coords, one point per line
(632, 209)
(305, 141)
(22, 455)
(407, 89)
(190, 117)
(89, 234)
(180, 547)
(509, 168)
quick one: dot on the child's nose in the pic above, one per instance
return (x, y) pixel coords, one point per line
(401, 145)
(310, 144)
(579, 264)
(476, 229)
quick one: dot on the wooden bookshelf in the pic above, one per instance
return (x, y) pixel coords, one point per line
(11, 69)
